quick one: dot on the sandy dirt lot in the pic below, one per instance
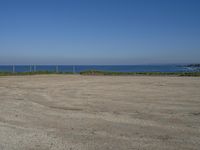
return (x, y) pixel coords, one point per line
(73, 112)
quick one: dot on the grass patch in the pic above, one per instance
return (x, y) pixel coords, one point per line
(94, 72)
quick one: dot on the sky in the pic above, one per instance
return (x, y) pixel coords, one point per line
(99, 32)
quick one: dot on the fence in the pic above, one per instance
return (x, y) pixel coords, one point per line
(38, 68)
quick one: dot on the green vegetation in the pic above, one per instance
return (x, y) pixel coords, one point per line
(95, 72)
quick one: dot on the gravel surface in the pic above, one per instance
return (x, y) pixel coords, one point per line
(74, 112)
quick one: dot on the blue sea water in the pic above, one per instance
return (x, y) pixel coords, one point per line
(113, 68)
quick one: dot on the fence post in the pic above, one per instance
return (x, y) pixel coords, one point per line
(35, 68)
(13, 69)
(74, 71)
(30, 68)
(56, 68)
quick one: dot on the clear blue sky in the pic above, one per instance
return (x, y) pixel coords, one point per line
(99, 31)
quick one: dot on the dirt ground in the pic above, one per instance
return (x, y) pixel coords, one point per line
(74, 112)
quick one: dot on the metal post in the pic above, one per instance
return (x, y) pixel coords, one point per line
(13, 69)
(30, 68)
(35, 68)
(74, 71)
(56, 68)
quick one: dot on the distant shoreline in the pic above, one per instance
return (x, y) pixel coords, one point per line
(193, 65)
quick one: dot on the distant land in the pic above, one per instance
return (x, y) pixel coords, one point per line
(193, 65)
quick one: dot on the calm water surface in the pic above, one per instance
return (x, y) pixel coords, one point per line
(114, 68)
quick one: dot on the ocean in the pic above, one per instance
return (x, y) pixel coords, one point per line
(113, 68)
